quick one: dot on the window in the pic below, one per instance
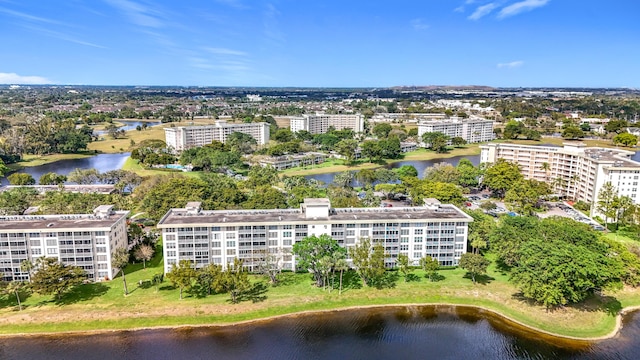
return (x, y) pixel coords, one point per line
(53, 251)
(286, 234)
(231, 244)
(364, 233)
(230, 236)
(101, 249)
(171, 253)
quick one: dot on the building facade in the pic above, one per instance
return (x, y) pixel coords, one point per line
(290, 161)
(320, 123)
(472, 130)
(574, 170)
(186, 137)
(85, 240)
(219, 236)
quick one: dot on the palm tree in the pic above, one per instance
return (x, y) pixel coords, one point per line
(120, 260)
(342, 266)
(545, 166)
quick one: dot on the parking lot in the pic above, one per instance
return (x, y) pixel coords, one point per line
(553, 209)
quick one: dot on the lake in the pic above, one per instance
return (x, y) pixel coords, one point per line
(425, 332)
(420, 165)
(102, 162)
(129, 125)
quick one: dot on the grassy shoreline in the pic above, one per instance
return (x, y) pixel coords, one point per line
(101, 307)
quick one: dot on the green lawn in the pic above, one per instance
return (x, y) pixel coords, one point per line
(133, 165)
(103, 305)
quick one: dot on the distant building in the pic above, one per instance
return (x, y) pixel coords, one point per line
(85, 240)
(633, 131)
(219, 236)
(320, 123)
(290, 161)
(185, 137)
(472, 130)
(582, 170)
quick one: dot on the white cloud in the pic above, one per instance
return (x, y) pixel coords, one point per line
(482, 11)
(511, 65)
(29, 17)
(459, 9)
(520, 7)
(232, 3)
(418, 24)
(137, 13)
(223, 51)
(13, 78)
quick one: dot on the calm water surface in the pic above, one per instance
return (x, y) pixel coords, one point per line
(102, 162)
(129, 125)
(390, 333)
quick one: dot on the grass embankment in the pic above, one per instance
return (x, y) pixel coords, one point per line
(103, 306)
(133, 165)
(339, 165)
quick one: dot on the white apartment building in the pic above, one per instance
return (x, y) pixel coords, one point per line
(320, 123)
(582, 170)
(85, 240)
(473, 129)
(185, 137)
(219, 236)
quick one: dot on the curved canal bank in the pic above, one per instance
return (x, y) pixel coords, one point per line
(407, 331)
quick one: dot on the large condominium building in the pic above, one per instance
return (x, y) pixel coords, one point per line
(473, 129)
(84, 240)
(320, 123)
(185, 137)
(574, 170)
(219, 236)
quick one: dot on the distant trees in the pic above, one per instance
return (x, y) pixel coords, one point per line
(436, 141)
(625, 139)
(21, 179)
(382, 130)
(52, 178)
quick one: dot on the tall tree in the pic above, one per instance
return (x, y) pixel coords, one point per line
(436, 141)
(182, 276)
(606, 203)
(475, 264)
(501, 176)
(382, 130)
(430, 266)
(52, 277)
(144, 253)
(341, 265)
(15, 288)
(311, 249)
(52, 178)
(403, 266)
(120, 260)
(236, 280)
(368, 261)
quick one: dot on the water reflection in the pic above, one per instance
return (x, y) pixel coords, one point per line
(415, 332)
(101, 162)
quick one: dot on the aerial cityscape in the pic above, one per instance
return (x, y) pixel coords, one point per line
(277, 172)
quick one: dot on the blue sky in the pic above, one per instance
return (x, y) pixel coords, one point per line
(321, 43)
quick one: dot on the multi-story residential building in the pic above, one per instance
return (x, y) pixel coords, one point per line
(320, 123)
(290, 161)
(574, 170)
(185, 137)
(473, 129)
(219, 236)
(84, 240)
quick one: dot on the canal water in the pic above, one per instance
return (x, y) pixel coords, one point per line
(428, 332)
(102, 162)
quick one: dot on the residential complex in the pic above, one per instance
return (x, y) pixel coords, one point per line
(320, 123)
(185, 137)
(85, 240)
(473, 129)
(574, 170)
(290, 161)
(219, 236)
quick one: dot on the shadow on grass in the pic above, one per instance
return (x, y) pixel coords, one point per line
(604, 303)
(82, 293)
(9, 300)
(412, 278)
(480, 279)
(435, 277)
(256, 293)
